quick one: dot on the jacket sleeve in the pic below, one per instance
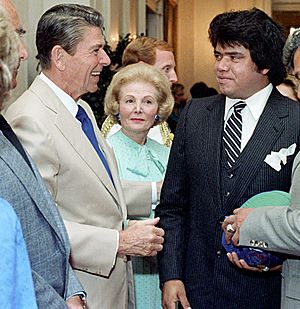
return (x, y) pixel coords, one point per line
(277, 226)
(138, 196)
(46, 296)
(85, 255)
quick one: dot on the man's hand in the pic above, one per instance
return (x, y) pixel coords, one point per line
(75, 302)
(235, 221)
(233, 258)
(173, 292)
(141, 238)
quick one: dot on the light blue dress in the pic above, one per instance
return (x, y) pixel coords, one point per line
(16, 285)
(142, 163)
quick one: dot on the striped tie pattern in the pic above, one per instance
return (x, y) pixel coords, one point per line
(233, 134)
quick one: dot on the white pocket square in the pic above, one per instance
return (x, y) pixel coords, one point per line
(276, 158)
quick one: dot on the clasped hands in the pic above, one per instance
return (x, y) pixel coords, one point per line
(141, 238)
(231, 227)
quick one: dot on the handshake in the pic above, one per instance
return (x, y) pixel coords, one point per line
(141, 238)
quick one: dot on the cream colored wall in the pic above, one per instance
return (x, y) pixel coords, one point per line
(30, 11)
(194, 54)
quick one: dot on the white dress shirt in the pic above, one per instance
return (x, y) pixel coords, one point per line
(251, 113)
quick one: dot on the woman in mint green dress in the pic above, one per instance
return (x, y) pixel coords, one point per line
(139, 97)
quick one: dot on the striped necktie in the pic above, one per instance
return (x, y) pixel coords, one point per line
(233, 133)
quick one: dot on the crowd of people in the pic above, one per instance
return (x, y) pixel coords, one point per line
(126, 217)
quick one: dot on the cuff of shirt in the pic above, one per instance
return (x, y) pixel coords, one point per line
(154, 193)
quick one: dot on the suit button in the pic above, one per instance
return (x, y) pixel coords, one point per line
(219, 252)
(252, 242)
(227, 194)
(230, 176)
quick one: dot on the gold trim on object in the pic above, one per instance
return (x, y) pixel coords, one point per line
(166, 134)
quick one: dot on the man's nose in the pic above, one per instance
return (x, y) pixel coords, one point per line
(223, 64)
(23, 53)
(104, 59)
(173, 77)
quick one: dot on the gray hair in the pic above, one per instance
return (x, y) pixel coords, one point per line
(291, 45)
(64, 25)
(9, 57)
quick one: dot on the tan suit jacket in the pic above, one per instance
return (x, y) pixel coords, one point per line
(92, 207)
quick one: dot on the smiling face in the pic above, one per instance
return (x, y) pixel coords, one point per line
(166, 62)
(138, 107)
(82, 70)
(237, 75)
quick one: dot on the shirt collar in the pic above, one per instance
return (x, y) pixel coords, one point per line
(66, 99)
(256, 103)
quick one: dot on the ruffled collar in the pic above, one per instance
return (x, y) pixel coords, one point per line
(145, 152)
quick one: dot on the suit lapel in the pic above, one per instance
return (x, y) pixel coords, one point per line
(214, 123)
(71, 130)
(33, 184)
(267, 132)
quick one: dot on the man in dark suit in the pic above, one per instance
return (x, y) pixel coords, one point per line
(276, 228)
(224, 152)
(56, 286)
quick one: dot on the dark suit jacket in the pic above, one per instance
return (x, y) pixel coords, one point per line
(193, 201)
(43, 230)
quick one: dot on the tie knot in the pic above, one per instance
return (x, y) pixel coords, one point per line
(239, 106)
(81, 114)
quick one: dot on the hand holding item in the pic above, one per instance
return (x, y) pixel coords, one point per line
(252, 258)
(232, 224)
(141, 238)
(174, 293)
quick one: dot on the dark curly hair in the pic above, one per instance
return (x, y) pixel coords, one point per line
(256, 31)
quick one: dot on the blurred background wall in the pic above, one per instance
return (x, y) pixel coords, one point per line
(183, 23)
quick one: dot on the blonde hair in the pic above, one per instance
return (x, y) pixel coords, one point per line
(8, 55)
(140, 72)
(144, 49)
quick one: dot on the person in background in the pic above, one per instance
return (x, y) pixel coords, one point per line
(16, 285)
(288, 88)
(201, 90)
(55, 284)
(139, 97)
(209, 175)
(276, 227)
(179, 103)
(60, 132)
(159, 54)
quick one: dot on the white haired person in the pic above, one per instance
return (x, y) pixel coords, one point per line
(16, 285)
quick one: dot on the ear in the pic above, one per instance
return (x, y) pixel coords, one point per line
(58, 57)
(264, 71)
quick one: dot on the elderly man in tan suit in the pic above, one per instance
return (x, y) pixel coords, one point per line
(59, 130)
